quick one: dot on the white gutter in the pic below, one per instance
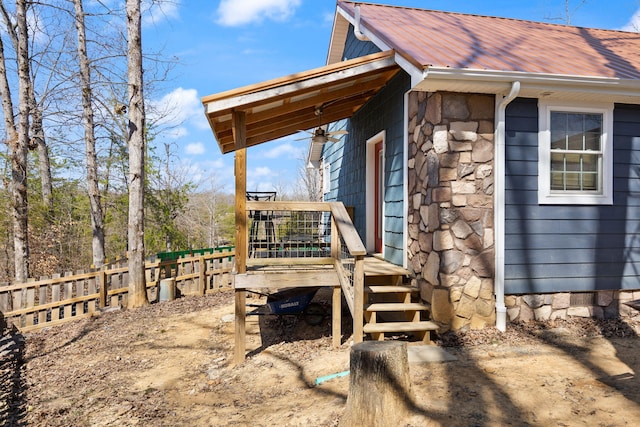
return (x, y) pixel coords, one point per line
(356, 26)
(499, 214)
(534, 83)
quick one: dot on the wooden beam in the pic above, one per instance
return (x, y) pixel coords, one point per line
(240, 326)
(292, 117)
(287, 279)
(240, 137)
(336, 316)
(289, 206)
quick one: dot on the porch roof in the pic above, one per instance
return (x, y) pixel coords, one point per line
(283, 106)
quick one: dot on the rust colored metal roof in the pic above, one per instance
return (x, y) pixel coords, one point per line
(430, 38)
(283, 106)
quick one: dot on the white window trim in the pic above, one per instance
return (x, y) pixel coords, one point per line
(545, 195)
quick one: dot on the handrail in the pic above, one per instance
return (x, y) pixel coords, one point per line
(356, 249)
(347, 230)
(289, 206)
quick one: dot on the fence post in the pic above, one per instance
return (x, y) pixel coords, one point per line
(102, 286)
(202, 280)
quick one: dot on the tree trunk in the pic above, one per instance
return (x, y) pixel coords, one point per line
(136, 142)
(9, 122)
(37, 127)
(380, 387)
(38, 142)
(19, 152)
(93, 188)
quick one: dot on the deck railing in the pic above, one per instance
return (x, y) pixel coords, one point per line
(288, 232)
(294, 233)
(59, 299)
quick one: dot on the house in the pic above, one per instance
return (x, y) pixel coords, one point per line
(497, 160)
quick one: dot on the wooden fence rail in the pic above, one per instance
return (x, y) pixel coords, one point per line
(59, 299)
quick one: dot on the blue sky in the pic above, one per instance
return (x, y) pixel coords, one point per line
(226, 44)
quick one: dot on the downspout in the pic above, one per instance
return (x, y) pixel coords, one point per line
(356, 26)
(499, 217)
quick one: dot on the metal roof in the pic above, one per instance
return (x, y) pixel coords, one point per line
(283, 106)
(428, 38)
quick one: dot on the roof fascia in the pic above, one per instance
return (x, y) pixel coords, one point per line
(499, 81)
(417, 75)
(338, 38)
(293, 85)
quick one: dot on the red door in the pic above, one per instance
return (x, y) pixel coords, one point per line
(379, 196)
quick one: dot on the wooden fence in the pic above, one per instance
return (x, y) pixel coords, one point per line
(59, 299)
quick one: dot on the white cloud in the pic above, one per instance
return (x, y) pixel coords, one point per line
(195, 148)
(240, 12)
(261, 171)
(177, 110)
(287, 150)
(634, 23)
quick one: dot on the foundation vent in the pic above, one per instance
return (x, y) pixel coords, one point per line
(582, 299)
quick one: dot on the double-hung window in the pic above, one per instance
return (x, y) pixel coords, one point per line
(575, 154)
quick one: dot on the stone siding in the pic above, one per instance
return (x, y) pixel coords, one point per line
(450, 221)
(450, 215)
(546, 307)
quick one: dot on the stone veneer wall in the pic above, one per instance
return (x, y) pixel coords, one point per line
(450, 243)
(598, 304)
(450, 230)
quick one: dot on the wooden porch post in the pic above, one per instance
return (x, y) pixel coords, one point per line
(240, 137)
(358, 301)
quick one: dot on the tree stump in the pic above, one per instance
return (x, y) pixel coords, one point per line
(380, 387)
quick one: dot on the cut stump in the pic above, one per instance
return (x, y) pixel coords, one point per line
(380, 387)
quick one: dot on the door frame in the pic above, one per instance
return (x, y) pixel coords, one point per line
(372, 189)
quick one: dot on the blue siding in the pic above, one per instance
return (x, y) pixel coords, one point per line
(385, 111)
(568, 247)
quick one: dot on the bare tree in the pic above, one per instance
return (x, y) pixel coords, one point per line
(308, 184)
(10, 129)
(37, 141)
(568, 12)
(93, 188)
(19, 149)
(136, 144)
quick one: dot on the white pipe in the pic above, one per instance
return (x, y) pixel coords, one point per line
(356, 26)
(499, 214)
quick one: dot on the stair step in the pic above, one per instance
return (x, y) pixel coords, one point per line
(383, 289)
(400, 327)
(396, 306)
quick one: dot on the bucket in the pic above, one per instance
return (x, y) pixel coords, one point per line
(167, 289)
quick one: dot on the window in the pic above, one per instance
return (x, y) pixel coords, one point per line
(575, 157)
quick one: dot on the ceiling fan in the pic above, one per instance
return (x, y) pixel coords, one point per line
(320, 134)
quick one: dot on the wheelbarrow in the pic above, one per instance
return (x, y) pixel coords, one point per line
(291, 301)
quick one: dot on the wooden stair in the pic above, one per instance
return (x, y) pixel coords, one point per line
(392, 309)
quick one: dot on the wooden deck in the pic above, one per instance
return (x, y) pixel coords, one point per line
(307, 273)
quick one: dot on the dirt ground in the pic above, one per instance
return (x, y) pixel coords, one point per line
(170, 365)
